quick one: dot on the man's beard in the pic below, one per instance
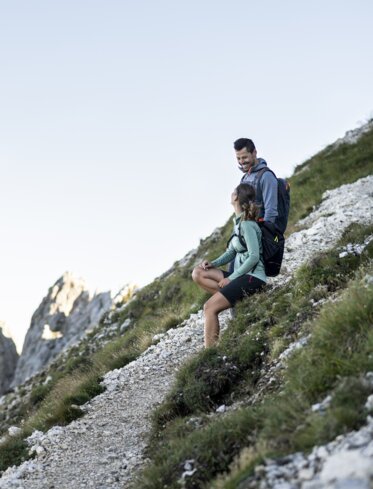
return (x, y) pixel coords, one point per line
(244, 168)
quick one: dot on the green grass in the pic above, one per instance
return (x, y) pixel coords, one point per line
(211, 448)
(213, 377)
(205, 381)
(327, 170)
(333, 361)
(284, 422)
(278, 317)
(345, 413)
(13, 452)
(159, 306)
(57, 403)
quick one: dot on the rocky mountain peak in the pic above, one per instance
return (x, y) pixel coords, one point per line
(65, 314)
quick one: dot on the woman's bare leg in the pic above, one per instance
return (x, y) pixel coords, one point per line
(208, 279)
(212, 307)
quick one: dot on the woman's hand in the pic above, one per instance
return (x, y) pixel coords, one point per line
(224, 282)
(205, 265)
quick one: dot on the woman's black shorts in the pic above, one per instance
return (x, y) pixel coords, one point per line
(241, 287)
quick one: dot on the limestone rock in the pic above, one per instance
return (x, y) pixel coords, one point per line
(67, 312)
(354, 135)
(8, 359)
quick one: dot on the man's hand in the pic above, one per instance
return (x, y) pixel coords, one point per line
(224, 282)
(205, 265)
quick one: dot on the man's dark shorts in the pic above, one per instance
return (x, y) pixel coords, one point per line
(241, 287)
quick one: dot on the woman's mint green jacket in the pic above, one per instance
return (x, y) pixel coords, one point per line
(248, 261)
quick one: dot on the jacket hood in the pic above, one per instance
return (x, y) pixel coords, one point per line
(259, 166)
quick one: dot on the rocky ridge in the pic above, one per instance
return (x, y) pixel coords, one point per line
(8, 358)
(105, 448)
(67, 312)
(353, 135)
(350, 203)
(13, 402)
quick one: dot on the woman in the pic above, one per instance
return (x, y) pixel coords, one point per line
(245, 247)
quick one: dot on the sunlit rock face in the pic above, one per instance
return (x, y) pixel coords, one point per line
(67, 312)
(8, 359)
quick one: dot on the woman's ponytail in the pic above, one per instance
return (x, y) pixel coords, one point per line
(246, 199)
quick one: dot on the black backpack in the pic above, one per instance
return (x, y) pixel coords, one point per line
(273, 245)
(283, 199)
(273, 241)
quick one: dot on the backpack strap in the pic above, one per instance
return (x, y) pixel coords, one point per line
(259, 193)
(240, 238)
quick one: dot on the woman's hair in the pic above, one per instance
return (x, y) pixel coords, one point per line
(246, 199)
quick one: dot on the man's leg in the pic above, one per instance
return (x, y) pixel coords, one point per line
(212, 307)
(208, 279)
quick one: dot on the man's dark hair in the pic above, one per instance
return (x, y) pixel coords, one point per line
(244, 143)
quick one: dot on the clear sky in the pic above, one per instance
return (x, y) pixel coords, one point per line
(117, 120)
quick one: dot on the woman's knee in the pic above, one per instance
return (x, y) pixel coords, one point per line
(209, 307)
(216, 304)
(196, 274)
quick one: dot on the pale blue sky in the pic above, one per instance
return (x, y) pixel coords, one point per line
(117, 120)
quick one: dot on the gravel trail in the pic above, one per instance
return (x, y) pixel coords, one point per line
(104, 448)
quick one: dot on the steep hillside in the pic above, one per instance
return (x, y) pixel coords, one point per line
(293, 370)
(235, 370)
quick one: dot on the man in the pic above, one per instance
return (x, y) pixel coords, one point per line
(251, 165)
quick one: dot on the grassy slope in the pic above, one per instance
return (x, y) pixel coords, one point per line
(329, 169)
(165, 302)
(334, 360)
(183, 429)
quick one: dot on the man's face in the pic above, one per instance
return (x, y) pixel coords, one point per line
(245, 159)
